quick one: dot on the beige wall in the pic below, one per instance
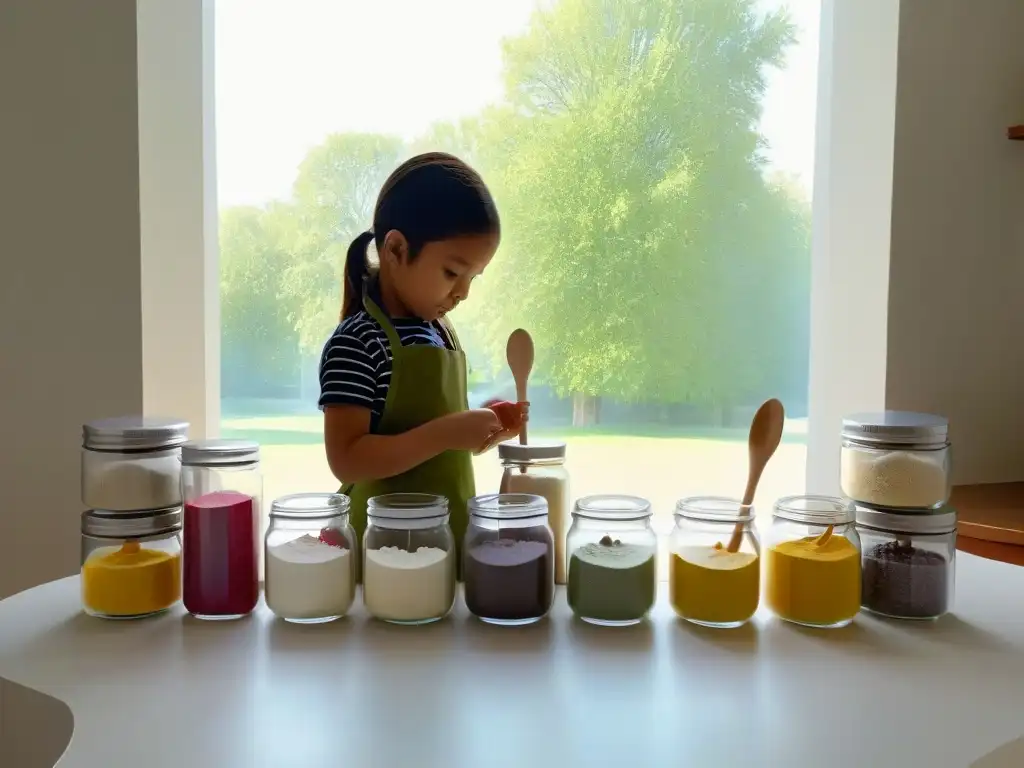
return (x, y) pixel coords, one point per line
(70, 308)
(956, 276)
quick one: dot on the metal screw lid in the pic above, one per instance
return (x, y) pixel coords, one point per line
(134, 433)
(942, 520)
(508, 506)
(513, 451)
(897, 428)
(300, 505)
(132, 525)
(612, 507)
(214, 453)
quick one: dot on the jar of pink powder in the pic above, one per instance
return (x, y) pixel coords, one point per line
(221, 486)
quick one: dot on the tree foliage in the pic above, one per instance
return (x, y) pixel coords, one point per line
(259, 342)
(627, 164)
(644, 245)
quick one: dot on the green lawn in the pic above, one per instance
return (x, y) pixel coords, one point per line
(662, 465)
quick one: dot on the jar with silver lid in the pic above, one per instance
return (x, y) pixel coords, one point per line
(508, 559)
(221, 486)
(131, 562)
(896, 460)
(408, 558)
(613, 552)
(132, 463)
(310, 558)
(908, 562)
(539, 468)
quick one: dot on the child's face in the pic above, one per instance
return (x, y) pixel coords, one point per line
(440, 277)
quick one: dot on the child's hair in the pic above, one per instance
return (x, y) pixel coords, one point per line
(434, 196)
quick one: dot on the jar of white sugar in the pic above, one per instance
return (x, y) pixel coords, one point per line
(896, 460)
(309, 556)
(132, 463)
(408, 558)
(539, 468)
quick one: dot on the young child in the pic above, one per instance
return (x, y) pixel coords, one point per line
(393, 375)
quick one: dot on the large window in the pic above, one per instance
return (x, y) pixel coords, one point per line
(652, 162)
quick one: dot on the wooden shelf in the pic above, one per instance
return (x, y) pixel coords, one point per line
(990, 520)
(1015, 132)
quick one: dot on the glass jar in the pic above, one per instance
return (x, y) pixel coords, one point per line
(612, 570)
(309, 556)
(908, 562)
(131, 563)
(221, 487)
(896, 459)
(509, 558)
(132, 463)
(708, 584)
(540, 469)
(812, 561)
(408, 558)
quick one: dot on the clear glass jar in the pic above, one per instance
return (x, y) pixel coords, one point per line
(708, 584)
(310, 558)
(131, 563)
(221, 487)
(812, 561)
(908, 563)
(896, 459)
(408, 558)
(540, 469)
(509, 558)
(612, 571)
(132, 463)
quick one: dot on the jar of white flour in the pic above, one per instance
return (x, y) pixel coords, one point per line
(896, 460)
(310, 558)
(132, 463)
(409, 558)
(539, 468)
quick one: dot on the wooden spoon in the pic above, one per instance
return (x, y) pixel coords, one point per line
(519, 353)
(765, 436)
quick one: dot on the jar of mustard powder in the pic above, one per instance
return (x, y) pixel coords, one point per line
(131, 563)
(812, 561)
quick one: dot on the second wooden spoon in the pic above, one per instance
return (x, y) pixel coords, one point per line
(765, 436)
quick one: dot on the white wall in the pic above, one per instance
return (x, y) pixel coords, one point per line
(70, 307)
(91, 323)
(956, 278)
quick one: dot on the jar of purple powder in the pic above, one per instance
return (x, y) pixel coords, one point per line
(907, 562)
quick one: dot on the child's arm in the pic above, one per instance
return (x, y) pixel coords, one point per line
(355, 455)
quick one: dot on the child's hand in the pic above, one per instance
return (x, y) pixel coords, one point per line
(468, 430)
(512, 415)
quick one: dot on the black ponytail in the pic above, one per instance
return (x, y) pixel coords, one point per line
(431, 197)
(357, 269)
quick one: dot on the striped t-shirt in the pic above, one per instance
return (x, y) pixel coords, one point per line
(355, 367)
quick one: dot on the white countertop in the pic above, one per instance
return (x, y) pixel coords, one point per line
(174, 691)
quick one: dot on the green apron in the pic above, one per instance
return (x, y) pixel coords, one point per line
(427, 382)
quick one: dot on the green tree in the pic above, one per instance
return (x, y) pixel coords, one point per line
(332, 201)
(259, 343)
(642, 241)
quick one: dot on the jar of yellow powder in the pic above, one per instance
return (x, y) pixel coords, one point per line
(708, 584)
(812, 561)
(131, 563)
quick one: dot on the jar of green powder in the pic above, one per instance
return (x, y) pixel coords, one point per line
(612, 548)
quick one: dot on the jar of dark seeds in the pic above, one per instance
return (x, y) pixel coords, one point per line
(908, 562)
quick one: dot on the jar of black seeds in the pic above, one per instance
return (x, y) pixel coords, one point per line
(907, 562)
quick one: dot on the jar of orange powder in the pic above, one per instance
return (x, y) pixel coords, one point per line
(131, 563)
